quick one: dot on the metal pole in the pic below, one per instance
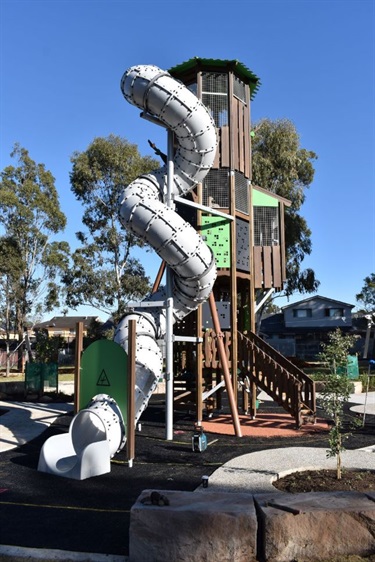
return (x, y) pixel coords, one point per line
(130, 427)
(368, 333)
(169, 311)
(371, 362)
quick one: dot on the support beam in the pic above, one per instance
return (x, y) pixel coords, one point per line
(77, 370)
(224, 364)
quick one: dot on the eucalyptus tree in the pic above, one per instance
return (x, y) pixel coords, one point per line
(11, 267)
(282, 166)
(30, 216)
(105, 273)
(366, 297)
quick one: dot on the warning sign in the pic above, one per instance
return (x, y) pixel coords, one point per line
(103, 379)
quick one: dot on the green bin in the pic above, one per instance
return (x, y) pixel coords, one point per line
(351, 369)
(40, 376)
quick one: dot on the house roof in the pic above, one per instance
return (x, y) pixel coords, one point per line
(317, 297)
(235, 66)
(275, 325)
(67, 322)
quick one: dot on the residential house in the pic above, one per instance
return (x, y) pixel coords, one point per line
(65, 326)
(301, 327)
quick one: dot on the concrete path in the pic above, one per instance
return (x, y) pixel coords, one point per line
(24, 421)
(255, 472)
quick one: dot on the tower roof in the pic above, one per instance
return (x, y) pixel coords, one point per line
(217, 65)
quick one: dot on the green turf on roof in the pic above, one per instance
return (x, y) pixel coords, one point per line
(218, 64)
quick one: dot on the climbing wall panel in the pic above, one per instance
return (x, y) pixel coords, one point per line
(242, 246)
(216, 233)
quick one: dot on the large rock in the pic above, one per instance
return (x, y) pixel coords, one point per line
(193, 528)
(316, 526)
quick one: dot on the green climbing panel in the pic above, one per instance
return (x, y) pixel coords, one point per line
(216, 233)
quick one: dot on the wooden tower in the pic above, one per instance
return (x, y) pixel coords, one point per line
(247, 238)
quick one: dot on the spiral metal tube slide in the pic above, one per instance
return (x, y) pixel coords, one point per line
(144, 212)
(95, 435)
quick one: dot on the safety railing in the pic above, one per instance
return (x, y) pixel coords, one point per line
(288, 385)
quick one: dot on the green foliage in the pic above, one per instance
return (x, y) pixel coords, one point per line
(11, 268)
(336, 391)
(109, 334)
(280, 165)
(104, 274)
(47, 348)
(29, 215)
(367, 295)
(334, 354)
(368, 380)
(94, 331)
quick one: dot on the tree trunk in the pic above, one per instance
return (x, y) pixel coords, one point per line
(338, 468)
(7, 368)
(20, 360)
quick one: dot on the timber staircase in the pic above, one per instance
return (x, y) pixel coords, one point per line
(270, 371)
(259, 366)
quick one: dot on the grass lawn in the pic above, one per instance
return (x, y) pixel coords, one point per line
(66, 374)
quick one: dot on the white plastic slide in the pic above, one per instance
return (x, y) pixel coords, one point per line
(143, 211)
(95, 435)
(97, 432)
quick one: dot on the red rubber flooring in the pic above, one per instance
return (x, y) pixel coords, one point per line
(264, 425)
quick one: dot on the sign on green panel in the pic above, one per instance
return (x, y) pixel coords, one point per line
(104, 370)
(216, 233)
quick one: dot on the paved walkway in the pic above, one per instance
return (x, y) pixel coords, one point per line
(24, 421)
(255, 472)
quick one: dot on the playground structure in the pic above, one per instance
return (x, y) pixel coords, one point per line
(225, 252)
(248, 241)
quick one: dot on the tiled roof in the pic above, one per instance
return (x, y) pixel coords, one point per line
(67, 322)
(317, 297)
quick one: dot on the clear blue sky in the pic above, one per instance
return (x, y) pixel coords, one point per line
(62, 61)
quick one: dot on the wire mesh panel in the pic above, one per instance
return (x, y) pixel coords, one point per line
(239, 89)
(215, 96)
(242, 193)
(216, 188)
(266, 226)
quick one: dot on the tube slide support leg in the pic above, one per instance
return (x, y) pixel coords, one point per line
(169, 370)
(169, 311)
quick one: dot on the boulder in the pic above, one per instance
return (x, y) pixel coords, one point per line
(315, 526)
(193, 528)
